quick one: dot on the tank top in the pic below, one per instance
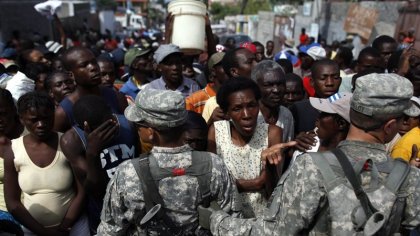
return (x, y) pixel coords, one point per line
(244, 162)
(48, 191)
(107, 93)
(119, 149)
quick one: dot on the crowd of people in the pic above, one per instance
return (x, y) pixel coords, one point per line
(101, 136)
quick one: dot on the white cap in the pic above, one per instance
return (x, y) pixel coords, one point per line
(317, 53)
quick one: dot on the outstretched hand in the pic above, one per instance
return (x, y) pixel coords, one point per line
(274, 154)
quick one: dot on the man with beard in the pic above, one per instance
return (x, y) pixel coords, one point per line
(272, 83)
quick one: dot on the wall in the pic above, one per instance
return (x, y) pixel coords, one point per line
(332, 16)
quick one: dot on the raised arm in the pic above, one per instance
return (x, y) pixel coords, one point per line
(63, 38)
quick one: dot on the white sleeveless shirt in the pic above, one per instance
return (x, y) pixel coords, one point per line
(48, 191)
(244, 162)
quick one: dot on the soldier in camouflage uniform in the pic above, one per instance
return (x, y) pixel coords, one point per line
(160, 114)
(300, 198)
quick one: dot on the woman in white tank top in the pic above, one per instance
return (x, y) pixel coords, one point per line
(240, 142)
(40, 190)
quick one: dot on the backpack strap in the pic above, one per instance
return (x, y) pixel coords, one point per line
(355, 182)
(330, 178)
(394, 182)
(397, 175)
(150, 190)
(201, 168)
(141, 165)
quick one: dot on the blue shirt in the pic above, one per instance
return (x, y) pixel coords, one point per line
(130, 89)
(187, 87)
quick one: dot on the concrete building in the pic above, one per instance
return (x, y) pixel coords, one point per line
(21, 16)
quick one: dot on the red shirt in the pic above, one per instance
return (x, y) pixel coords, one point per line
(308, 87)
(303, 38)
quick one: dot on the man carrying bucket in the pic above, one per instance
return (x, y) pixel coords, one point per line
(169, 60)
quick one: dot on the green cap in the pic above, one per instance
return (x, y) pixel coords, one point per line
(132, 53)
(215, 59)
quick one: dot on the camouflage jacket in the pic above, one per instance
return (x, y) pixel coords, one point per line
(300, 198)
(124, 204)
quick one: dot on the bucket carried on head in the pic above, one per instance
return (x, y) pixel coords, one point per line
(189, 25)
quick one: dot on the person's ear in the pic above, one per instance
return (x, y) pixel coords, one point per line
(159, 68)
(234, 72)
(150, 134)
(390, 126)
(50, 93)
(342, 124)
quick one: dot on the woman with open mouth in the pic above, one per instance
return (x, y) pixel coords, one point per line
(240, 141)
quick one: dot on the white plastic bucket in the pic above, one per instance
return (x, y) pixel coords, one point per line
(189, 25)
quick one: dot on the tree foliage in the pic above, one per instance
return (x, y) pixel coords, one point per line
(219, 11)
(254, 6)
(251, 7)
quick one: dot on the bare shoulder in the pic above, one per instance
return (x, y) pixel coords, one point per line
(274, 129)
(71, 145)
(274, 134)
(60, 120)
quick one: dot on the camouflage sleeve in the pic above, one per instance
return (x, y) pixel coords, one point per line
(123, 203)
(296, 201)
(301, 199)
(411, 218)
(223, 187)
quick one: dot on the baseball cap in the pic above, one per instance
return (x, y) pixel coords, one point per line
(215, 59)
(53, 46)
(416, 108)
(285, 55)
(338, 103)
(383, 94)
(305, 48)
(317, 53)
(250, 46)
(132, 53)
(158, 108)
(165, 50)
